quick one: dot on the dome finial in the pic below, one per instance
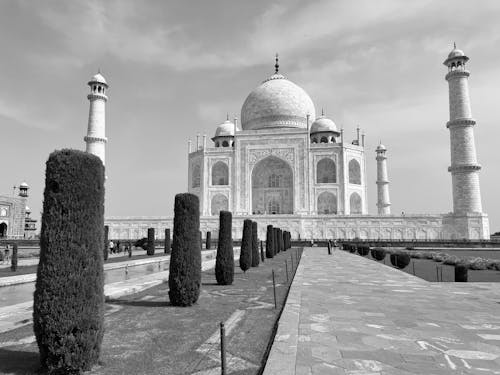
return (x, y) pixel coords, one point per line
(227, 116)
(277, 65)
(454, 45)
(322, 112)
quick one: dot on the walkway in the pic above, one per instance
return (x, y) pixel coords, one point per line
(346, 314)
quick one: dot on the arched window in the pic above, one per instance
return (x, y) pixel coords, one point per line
(273, 207)
(196, 176)
(99, 89)
(327, 203)
(220, 174)
(219, 203)
(225, 144)
(355, 204)
(354, 172)
(3, 212)
(324, 140)
(326, 171)
(217, 144)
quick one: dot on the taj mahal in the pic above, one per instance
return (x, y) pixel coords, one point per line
(284, 164)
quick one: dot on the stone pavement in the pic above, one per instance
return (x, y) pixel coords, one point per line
(346, 314)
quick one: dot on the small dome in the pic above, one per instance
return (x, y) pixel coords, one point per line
(276, 103)
(98, 78)
(456, 53)
(381, 147)
(28, 210)
(323, 124)
(225, 130)
(24, 185)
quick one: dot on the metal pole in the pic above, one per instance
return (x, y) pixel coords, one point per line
(286, 269)
(413, 268)
(222, 349)
(437, 274)
(441, 273)
(274, 291)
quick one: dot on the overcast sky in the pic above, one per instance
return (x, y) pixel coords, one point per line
(176, 68)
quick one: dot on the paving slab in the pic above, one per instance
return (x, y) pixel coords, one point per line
(346, 314)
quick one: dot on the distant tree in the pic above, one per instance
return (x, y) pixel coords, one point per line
(208, 241)
(255, 245)
(68, 305)
(151, 241)
(106, 242)
(13, 260)
(142, 243)
(185, 262)
(270, 242)
(246, 246)
(168, 244)
(224, 262)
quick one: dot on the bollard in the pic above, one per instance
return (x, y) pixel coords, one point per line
(413, 263)
(274, 291)
(222, 349)
(461, 273)
(286, 270)
(126, 269)
(159, 265)
(441, 272)
(437, 274)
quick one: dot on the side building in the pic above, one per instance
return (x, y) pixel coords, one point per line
(15, 219)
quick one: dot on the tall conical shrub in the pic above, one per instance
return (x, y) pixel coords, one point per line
(270, 242)
(184, 279)
(224, 262)
(208, 241)
(106, 243)
(13, 260)
(168, 244)
(255, 245)
(246, 246)
(68, 308)
(276, 241)
(262, 256)
(151, 241)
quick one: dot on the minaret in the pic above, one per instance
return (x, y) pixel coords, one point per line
(383, 201)
(96, 132)
(464, 167)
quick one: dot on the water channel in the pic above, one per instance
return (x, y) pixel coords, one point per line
(19, 293)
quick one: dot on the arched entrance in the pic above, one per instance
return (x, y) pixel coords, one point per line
(272, 187)
(3, 230)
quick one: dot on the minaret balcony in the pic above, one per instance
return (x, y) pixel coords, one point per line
(461, 123)
(464, 168)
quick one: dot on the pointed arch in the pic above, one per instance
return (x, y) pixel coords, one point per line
(327, 203)
(355, 204)
(219, 203)
(326, 171)
(220, 174)
(354, 172)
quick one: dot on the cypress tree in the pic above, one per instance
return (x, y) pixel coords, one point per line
(224, 262)
(13, 260)
(246, 246)
(106, 242)
(255, 245)
(129, 249)
(262, 257)
(208, 243)
(151, 241)
(68, 308)
(167, 241)
(276, 241)
(269, 242)
(184, 279)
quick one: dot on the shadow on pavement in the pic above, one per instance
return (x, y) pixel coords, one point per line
(18, 362)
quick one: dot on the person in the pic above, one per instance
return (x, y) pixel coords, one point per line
(111, 247)
(6, 258)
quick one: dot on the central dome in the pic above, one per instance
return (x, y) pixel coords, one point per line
(277, 103)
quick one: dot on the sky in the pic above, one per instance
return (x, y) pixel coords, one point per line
(176, 68)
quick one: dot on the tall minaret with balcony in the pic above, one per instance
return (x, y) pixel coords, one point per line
(464, 166)
(383, 201)
(96, 133)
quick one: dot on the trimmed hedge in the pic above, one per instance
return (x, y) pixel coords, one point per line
(378, 254)
(68, 306)
(363, 250)
(255, 245)
(106, 242)
(168, 244)
(208, 241)
(151, 242)
(270, 242)
(13, 260)
(246, 246)
(461, 271)
(184, 279)
(262, 256)
(276, 247)
(400, 260)
(224, 262)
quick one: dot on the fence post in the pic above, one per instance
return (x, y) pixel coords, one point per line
(222, 349)
(274, 291)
